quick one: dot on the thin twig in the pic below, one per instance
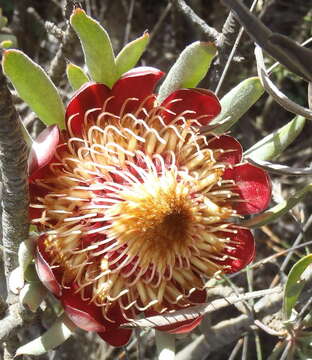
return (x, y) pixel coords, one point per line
(195, 311)
(129, 22)
(160, 21)
(228, 331)
(236, 349)
(211, 33)
(245, 347)
(235, 46)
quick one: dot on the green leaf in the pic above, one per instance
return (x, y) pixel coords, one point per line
(6, 44)
(189, 69)
(96, 46)
(237, 101)
(76, 76)
(278, 210)
(131, 53)
(274, 144)
(59, 332)
(32, 295)
(31, 274)
(8, 38)
(294, 285)
(34, 87)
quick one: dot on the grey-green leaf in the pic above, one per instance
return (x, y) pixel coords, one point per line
(76, 76)
(131, 53)
(294, 285)
(237, 101)
(32, 295)
(190, 68)
(97, 48)
(59, 332)
(274, 144)
(34, 87)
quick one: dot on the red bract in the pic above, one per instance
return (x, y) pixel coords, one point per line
(136, 205)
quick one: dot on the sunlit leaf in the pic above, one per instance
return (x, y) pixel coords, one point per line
(34, 87)
(275, 143)
(32, 295)
(59, 332)
(278, 210)
(237, 101)
(96, 46)
(16, 280)
(26, 253)
(6, 44)
(76, 76)
(294, 285)
(189, 69)
(131, 53)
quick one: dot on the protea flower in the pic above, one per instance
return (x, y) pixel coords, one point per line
(137, 206)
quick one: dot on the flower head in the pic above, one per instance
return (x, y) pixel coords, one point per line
(137, 206)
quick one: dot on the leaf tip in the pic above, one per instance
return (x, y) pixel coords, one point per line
(76, 14)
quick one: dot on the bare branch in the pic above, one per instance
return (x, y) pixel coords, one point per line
(211, 33)
(13, 163)
(10, 323)
(286, 51)
(58, 64)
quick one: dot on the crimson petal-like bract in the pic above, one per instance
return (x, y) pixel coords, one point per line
(253, 186)
(136, 205)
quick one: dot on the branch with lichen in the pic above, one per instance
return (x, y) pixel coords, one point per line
(13, 164)
(58, 64)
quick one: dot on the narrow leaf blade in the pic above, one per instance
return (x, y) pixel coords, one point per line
(237, 101)
(274, 144)
(59, 332)
(131, 53)
(294, 285)
(96, 46)
(76, 76)
(189, 69)
(34, 87)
